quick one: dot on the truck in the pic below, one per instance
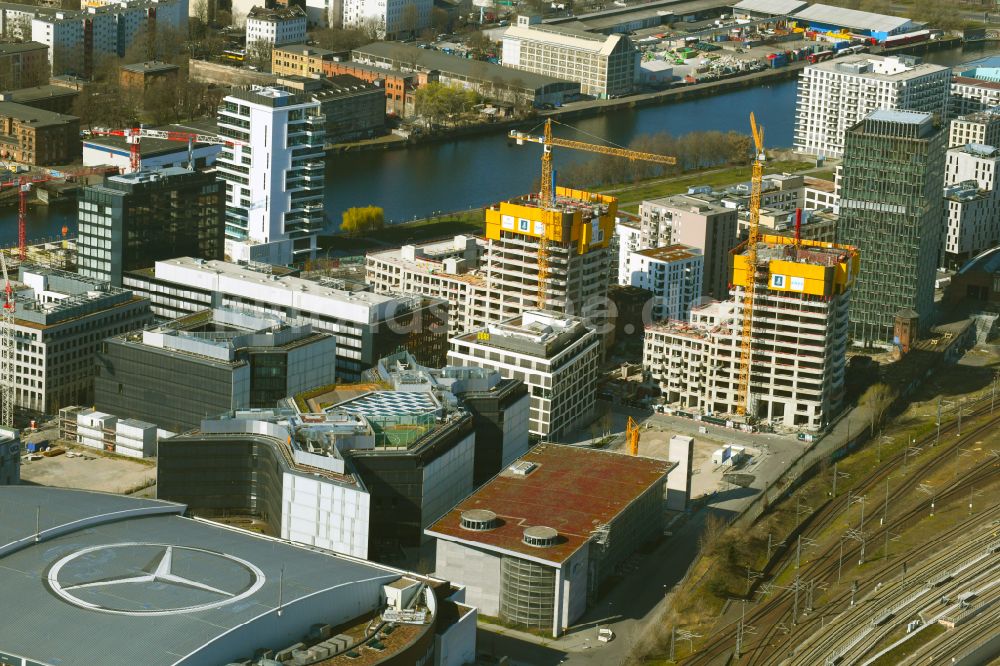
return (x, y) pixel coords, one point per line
(819, 57)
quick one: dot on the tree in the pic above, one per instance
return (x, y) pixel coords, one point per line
(362, 219)
(437, 101)
(479, 43)
(410, 19)
(340, 39)
(878, 399)
(259, 54)
(440, 20)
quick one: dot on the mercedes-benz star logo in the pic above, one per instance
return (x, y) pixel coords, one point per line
(139, 589)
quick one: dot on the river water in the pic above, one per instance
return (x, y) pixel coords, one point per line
(474, 171)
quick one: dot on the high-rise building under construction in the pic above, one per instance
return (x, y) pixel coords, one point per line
(498, 277)
(798, 335)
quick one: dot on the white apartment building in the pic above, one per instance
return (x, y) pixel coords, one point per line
(449, 270)
(982, 128)
(555, 355)
(673, 273)
(366, 325)
(391, 19)
(494, 279)
(799, 333)
(60, 320)
(972, 202)
(273, 175)
(699, 221)
(837, 94)
(604, 65)
(77, 40)
(276, 27)
(629, 235)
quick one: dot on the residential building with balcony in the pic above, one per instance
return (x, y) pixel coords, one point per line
(835, 95)
(273, 174)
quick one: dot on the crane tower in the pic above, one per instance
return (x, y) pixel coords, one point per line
(547, 189)
(743, 398)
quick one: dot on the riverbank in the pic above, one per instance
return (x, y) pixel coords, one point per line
(597, 107)
(473, 220)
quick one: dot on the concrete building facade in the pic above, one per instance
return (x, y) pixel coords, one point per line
(276, 27)
(604, 65)
(799, 333)
(694, 221)
(891, 207)
(555, 355)
(60, 320)
(497, 278)
(389, 19)
(834, 96)
(673, 273)
(274, 198)
(367, 326)
(972, 202)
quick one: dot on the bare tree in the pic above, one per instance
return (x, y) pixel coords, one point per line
(259, 54)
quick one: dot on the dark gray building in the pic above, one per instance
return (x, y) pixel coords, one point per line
(891, 210)
(133, 220)
(209, 363)
(354, 109)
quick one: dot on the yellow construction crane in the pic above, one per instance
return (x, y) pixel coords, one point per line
(547, 193)
(750, 291)
(632, 436)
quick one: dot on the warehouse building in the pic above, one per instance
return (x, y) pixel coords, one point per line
(555, 355)
(209, 363)
(533, 545)
(353, 108)
(36, 136)
(367, 326)
(155, 153)
(767, 8)
(826, 18)
(605, 66)
(835, 95)
(494, 82)
(187, 592)
(799, 334)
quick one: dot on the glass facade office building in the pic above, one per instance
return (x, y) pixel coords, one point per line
(891, 209)
(134, 220)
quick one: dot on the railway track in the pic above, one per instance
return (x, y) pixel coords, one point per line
(855, 632)
(771, 615)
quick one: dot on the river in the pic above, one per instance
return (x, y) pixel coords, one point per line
(474, 171)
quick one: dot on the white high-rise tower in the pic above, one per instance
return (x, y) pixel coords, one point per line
(274, 176)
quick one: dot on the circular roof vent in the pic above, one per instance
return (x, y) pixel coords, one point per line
(479, 520)
(540, 537)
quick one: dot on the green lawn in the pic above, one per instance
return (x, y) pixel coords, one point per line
(630, 196)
